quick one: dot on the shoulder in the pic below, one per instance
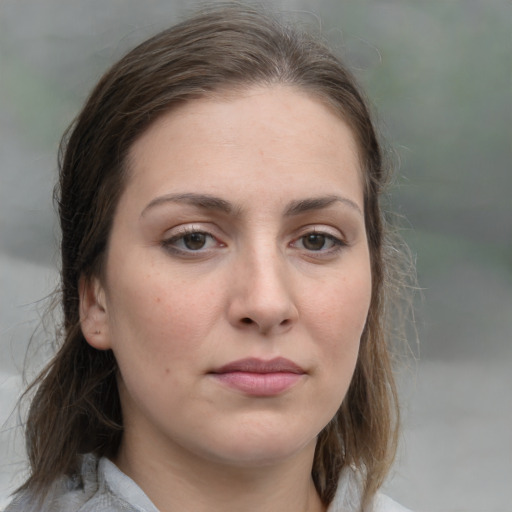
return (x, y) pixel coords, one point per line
(85, 492)
(67, 493)
(349, 492)
(383, 503)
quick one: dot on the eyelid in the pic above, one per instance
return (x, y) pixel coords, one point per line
(179, 232)
(321, 229)
(334, 235)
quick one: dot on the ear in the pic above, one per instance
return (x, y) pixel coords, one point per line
(93, 313)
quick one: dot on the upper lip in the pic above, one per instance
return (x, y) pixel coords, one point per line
(254, 365)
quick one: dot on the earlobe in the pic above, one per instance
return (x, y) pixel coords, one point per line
(93, 313)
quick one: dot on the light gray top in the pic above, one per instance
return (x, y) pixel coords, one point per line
(103, 487)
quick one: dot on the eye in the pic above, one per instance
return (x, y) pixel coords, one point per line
(317, 241)
(194, 241)
(190, 241)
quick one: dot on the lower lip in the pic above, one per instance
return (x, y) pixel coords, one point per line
(259, 384)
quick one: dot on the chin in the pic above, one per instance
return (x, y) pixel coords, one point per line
(262, 449)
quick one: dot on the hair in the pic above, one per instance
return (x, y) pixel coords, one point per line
(76, 407)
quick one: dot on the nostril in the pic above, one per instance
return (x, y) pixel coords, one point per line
(247, 320)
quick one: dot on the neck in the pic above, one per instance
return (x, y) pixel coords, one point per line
(209, 486)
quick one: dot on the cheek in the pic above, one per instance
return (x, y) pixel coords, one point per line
(158, 323)
(342, 306)
(339, 316)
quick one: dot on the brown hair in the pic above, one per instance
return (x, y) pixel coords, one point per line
(76, 408)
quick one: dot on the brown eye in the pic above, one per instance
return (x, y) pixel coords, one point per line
(314, 241)
(194, 241)
(319, 244)
(190, 242)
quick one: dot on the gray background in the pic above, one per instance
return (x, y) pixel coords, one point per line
(439, 73)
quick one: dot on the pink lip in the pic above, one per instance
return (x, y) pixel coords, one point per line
(256, 377)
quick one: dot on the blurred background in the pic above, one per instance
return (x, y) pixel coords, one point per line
(439, 74)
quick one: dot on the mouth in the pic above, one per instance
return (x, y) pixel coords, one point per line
(256, 377)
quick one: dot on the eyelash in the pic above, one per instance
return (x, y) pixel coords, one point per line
(170, 244)
(337, 243)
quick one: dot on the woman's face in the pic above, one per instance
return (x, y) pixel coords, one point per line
(237, 279)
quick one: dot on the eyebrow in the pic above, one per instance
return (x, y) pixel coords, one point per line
(209, 202)
(205, 201)
(318, 203)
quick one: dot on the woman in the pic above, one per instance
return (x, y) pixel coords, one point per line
(225, 274)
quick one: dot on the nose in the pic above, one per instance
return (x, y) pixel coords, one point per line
(262, 296)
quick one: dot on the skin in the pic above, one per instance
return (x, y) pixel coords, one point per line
(258, 287)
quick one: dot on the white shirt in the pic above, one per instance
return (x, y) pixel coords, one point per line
(103, 487)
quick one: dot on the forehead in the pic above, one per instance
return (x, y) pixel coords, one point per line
(280, 133)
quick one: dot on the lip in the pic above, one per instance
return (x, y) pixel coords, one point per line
(257, 377)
